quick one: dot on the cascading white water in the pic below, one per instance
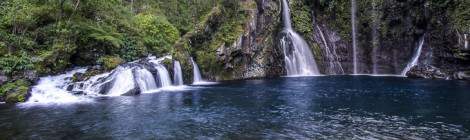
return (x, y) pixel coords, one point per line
(414, 60)
(331, 55)
(375, 35)
(123, 82)
(298, 57)
(163, 75)
(197, 78)
(196, 73)
(145, 80)
(128, 79)
(466, 41)
(52, 89)
(92, 86)
(178, 73)
(354, 38)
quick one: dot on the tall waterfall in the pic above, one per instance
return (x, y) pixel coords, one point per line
(375, 35)
(354, 38)
(298, 57)
(196, 73)
(466, 41)
(414, 60)
(178, 73)
(333, 62)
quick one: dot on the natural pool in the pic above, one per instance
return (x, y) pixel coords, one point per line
(326, 107)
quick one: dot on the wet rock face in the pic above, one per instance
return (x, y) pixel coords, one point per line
(30, 75)
(255, 53)
(426, 71)
(462, 75)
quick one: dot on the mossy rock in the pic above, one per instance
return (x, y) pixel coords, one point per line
(88, 74)
(110, 62)
(15, 92)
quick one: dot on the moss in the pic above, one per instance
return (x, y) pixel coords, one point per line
(223, 26)
(317, 52)
(167, 62)
(110, 62)
(16, 91)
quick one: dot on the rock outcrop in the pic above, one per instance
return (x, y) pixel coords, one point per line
(426, 71)
(255, 53)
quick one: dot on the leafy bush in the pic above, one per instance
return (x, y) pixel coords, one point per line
(12, 64)
(158, 34)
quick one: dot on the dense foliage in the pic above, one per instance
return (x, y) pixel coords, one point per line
(52, 35)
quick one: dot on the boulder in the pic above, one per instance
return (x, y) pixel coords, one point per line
(462, 75)
(426, 71)
(31, 75)
(132, 92)
(17, 91)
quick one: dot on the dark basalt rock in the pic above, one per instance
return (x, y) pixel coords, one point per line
(95, 70)
(132, 92)
(426, 71)
(78, 93)
(462, 75)
(30, 75)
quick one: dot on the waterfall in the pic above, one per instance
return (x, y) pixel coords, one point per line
(414, 60)
(94, 84)
(196, 73)
(298, 57)
(164, 75)
(123, 82)
(145, 80)
(178, 73)
(375, 36)
(52, 89)
(466, 41)
(197, 78)
(331, 55)
(354, 38)
(141, 76)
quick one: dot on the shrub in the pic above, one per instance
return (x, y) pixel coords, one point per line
(110, 62)
(158, 34)
(12, 64)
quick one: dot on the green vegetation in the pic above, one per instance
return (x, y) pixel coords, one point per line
(15, 91)
(11, 64)
(234, 15)
(49, 36)
(301, 17)
(461, 15)
(110, 62)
